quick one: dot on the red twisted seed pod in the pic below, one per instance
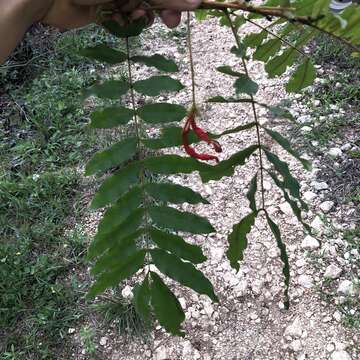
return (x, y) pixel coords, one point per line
(190, 123)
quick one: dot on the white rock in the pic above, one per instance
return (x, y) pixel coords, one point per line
(127, 293)
(103, 341)
(326, 206)
(216, 253)
(335, 152)
(71, 331)
(209, 309)
(340, 355)
(309, 196)
(319, 186)
(330, 347)
(346, 147)
(317, 224)
(256, 286)
(306, 129)
(305, 281)
(337, 316)
(241, 288)
(267, 185)
(300, 263)
(286, 209)
(294, 329)
(347, 288)
(161, 353)
(182, 302)
(332, 272)
(310, 243)
(317, 102)
(296, 345)
(303, 119)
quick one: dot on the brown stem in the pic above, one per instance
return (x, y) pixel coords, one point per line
(191, 59)
(257, 125)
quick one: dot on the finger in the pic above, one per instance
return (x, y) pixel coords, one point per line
(90, 2)
(171, 18)
(148, 15)
(178, 5)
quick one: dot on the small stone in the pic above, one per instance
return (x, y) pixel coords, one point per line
(335, 152)
(306, 129)
(303, 119)
(209, 309)
(103, 341)
(286, 209)
(300, 263)
(253, 316)
(310, 243)
(346, 147)
(305, 281)
(216, 253)
(309, 196)
(347, 288)
(241, 288)
(296, 345)
(317, 224)
(332, 272)
(294, 329)
(161, 353)
(182, 302)
(330, 347)
(317, 102)
(340, 355)
(267, 185)
(326, 206)
(127, 292)
(319, 186)
(71, 331)
(337, 316)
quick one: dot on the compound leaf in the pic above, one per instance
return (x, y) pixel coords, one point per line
(157, 61)
(104, 53)
(155, 85)
(110, 89)
(111, 117)
(161, 113)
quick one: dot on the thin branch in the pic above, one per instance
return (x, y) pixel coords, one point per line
(238, 42)
(192, 70)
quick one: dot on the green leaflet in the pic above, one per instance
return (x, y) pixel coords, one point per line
(117, 253)
(282, 167)
(166, 306)
(238, 241)
(293, 204)
(117, 213)
(183, 272)
(177, 245)
(227, 167)
(113, 156)
(122, 271)
(173, 164)
(111, 117)
(285, 144)
(157, 61)
(155, 85)
(161, 113)
(265, 51)
(106, 240)
(116, 185)
(304, 76)
(110, 89)
(227, 70)
(170, 218)
(142, 299)
(244, 85)
(252, 193)
(283, 256)
(173, 193)
(103, 53)
(135, 28)
(278, 65)
(255, 39)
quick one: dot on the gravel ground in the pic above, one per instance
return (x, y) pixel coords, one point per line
(250, 322)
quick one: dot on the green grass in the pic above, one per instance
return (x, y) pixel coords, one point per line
(43, 144)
